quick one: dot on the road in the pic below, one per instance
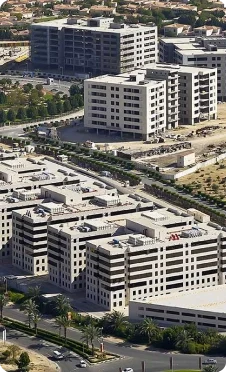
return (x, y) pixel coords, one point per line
(130, 356)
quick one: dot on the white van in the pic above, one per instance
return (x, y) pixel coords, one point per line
(58, 355)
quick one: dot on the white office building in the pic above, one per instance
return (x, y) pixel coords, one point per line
(66, 209)
(201, 52)
(204, 307)
(129, 104)
(20, 181)
(168, 252)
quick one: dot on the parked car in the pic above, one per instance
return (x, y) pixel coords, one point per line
(127, 369)
(58, 355)
(210, 361)
(82, 364)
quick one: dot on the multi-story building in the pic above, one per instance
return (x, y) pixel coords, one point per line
(129, 104)
(201, 52)
(67, 250)
(61, 206)
(146, 101)
(169, 252)
(95, 46)
(21, 180)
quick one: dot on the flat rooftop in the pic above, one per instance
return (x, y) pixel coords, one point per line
(177, 40)
(58, 210)
(208, 299)
(62, 23)
(177, 68)
(125, 79)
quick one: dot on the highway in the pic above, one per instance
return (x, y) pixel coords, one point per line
(130, 356)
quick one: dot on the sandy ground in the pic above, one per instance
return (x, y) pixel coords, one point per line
(204, 179)
(39, 363)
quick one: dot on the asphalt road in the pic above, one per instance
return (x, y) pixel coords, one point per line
(130, 356)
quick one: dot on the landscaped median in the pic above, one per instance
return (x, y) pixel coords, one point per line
(75, 346)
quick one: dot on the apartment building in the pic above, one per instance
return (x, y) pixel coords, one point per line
(128, 104)
(20, 181)
(62, 206)
(95, 46)
(201, 52)
(145, 102)
(169, 252)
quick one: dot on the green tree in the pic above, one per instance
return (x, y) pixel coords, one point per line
(210, 369)
(42, 111)
(183, 340)
(11, 115)
(67, 105)
(3, 303)
(30, 308)
(90, 333)
(3, 116)
(74, 102)
(39, 87)
(32, 112)
(2, 98)
(23, 362)
(34, 292)
(63, 322)
(59, 107)
(51, 107)
(34, 97)
(62, 305)
(36, 317)
(114, 321)
(21, 113)
(148, 328)
(74, 89)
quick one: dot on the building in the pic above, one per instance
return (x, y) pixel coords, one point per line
(128, 104)
(20, 181)
(145, 102)
(201, 52)
(95, 46)
(168, 252)
(185, 159)
(67, 250)
(204, 307)
(66, 205)
(207, 30)
(176, 29)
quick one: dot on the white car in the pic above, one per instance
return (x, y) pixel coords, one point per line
(83, 364)
(127, 369)
(58, 355)
(210, 361)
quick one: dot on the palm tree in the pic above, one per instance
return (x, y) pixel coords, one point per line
(36, 317)
(62, 321)
(62, 305)
(91, 333)
(183, 339)
(30, 308)
(34, 292)
(148, 328)
(115, 320)
(3, 302)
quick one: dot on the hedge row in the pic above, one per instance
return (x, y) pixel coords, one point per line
(75, 346)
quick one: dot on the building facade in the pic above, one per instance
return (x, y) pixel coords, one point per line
(127, 104)
(169, 253)
(201, 52)
(95, 46)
